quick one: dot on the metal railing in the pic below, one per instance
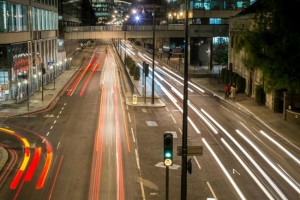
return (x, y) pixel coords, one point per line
(169, 27)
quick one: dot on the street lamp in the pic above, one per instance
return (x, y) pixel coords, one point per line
(185, 110)
(153, 53)
(27, 92)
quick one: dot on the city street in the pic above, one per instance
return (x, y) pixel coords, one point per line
(93, 144)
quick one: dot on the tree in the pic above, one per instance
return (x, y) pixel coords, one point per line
(273, 44)
(221, 52)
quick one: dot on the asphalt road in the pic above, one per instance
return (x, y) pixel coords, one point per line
(243, 158)
(82, 138)
(90, 145)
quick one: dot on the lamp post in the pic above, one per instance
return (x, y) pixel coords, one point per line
(43, 72)
(185, 110)
(27, 92)
(153, 53)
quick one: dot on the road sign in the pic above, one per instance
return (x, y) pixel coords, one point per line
(50, 63)
(134, 99)
(191, 150)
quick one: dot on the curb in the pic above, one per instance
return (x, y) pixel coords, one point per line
(3, 157)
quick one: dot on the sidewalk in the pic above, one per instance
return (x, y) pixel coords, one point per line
(51, 95)
(11, 108)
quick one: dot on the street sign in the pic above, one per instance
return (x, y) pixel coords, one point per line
(191, 150)
(134, 99)
(50, 63)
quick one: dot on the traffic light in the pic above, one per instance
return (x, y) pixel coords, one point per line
(145, 68)
(168, 149)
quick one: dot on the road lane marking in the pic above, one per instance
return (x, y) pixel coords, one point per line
(129, 119)
(132, 135)
(211, 190)
(173, 118)
(197, 162)
(180, 131)
(142, 188)
(234, 171)
(60, 112)
(167, 108)
(47, 133)
(54, 122)
(57, 116)
(58, 145)
(137, 159)
(51, 127)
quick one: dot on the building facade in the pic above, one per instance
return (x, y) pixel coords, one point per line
(28, 42)
(239, 24)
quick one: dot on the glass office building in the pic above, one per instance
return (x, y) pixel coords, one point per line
(28, 38)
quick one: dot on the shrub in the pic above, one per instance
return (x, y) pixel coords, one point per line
(132, 69)
(137, 73)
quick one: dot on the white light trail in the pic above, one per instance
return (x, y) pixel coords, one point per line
(237, 189)
(198, 88)
(262, 187)
(261, 171)
(286, 178)
(280, 147)
(174, 101)
(174, 79)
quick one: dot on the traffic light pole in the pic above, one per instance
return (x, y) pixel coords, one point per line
(145, 94)
(167, 182)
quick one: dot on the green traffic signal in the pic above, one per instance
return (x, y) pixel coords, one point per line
(168, 149)
(168, 155)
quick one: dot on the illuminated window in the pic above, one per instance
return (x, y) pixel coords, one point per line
(215, 20)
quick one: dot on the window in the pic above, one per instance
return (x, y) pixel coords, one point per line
(34, 18)
(42, 12)
(25, 17)
(220, 40)
(39, 21)
(215, 21)
(3, 21)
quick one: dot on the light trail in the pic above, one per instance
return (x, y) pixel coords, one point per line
(286, 178)
(46, 167)
(98, 147)
(89, 77)
(257, 166)
(55, 178)
(189, 82)
(256, 180)
(237, 189)
(25, 160)
(78, 79)
(34, 164)
(280, 147)
(119, 161)
(174, 101)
